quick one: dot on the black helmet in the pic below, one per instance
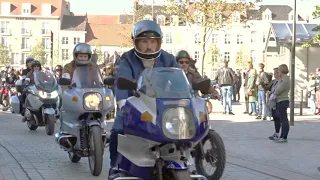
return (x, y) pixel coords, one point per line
(147, 29)
(82, 48)
(58, 68)
(182, 54)
(36, 63)
(29, 59)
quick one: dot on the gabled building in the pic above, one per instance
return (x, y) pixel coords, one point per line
(278, 51)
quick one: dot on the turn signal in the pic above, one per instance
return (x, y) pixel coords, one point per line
(146, 117)
(202, 116)
(75, 99)
(108, 98)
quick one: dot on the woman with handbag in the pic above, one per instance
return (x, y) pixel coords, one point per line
(252, 91)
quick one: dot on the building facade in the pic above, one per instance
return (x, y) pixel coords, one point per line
(24, 23)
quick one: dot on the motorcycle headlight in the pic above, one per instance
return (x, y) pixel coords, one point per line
(93, 101)
(43, 94)
(54, 94)
(178, 123)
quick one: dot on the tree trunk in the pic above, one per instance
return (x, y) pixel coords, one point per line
(203, 45)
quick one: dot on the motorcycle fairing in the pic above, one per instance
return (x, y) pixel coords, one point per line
(33, 102)
(135, 153)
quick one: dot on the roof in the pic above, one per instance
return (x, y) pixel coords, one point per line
(283, 32)
(74, 23)
(36, 6)
(103, 19)
(109, 34)
(279, 12)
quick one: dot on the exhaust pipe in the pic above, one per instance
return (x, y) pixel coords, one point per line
(63, 140)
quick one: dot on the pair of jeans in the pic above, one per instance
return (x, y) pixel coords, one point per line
(117, 129)
(281, 108)
(227, 92)
(313, 104)
(253, 107)
(276, 120)
(261, 102)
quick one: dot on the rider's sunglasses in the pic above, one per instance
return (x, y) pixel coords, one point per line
(36, 66)
(184, 62)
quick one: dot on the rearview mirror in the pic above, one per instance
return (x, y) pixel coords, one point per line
(126, 84)
(202, 85)
(64, 82)
(108, 81)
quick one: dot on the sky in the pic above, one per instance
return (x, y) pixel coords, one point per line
(119, 6)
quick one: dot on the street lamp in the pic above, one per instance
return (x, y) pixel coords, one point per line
(293, 63)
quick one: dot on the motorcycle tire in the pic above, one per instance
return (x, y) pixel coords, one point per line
(180, 175)
(73, 157)
(50, 123)
(215, 141)
(96, 150)
(209, 107)
(31, 125)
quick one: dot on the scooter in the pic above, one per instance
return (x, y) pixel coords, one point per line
(164, 125)
(85, 104)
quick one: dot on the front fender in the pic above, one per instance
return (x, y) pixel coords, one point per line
(49, 111)
(94, 123)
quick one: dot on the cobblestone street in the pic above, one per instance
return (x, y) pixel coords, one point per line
(26, 155)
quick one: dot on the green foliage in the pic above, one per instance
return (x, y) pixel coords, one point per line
(38, 53)
(99, 53)
(241, 59)
(215, 60)
(316, 39)
(4, 56)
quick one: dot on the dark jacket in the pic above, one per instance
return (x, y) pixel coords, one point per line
(225, 77)
(25, 72)
(12, 79)
(130, 67)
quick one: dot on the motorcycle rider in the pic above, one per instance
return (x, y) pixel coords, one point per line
(58, 71)
(35, 66)
(28, 64)
(147, 52)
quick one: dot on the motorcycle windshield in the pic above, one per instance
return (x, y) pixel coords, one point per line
(164, 83)
(87, 77)
(45, 80)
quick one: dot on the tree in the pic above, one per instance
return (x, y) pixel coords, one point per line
(99, 54)
(38, 52)
(316, 38)
(208, 14)
(215, 59)
(242, 58)
(4, 55)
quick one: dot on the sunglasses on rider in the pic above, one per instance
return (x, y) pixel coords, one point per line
(184, 62)
(36, 66)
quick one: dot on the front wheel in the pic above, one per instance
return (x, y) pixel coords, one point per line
(50, 121)
(96, 150)
(214, 157)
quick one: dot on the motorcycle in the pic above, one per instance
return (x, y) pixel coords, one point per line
(7, 92)
(208, 97)
(164, 126)
(40, 103)
(85, 104)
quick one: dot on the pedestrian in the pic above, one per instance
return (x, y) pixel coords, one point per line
(246, 77)
(252, 91)
(281, 95)
(262, 83)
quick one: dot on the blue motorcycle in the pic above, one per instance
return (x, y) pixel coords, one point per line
(165, 126)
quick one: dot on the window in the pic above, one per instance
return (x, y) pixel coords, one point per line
(76, 40)
(253, 37)
(46, 9)
(197, 38)
(65, 40)
(15, 58)
(253, 56)
(239, 39)
(264, 38)
(65, 54)
(196, 55)
(26, 9)
(161, 20)
(4, 27)
(215, 38)
(46, 43)
(5, 8)
(227, 38)
(26, 28)
(24, 57)
(168, 38)
(45, 28)
(148, 17)
(282, 51)
(25, 43)
(227, 56)
(4, 41)
(214, 57)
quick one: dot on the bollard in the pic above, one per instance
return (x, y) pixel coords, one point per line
(301, 102)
